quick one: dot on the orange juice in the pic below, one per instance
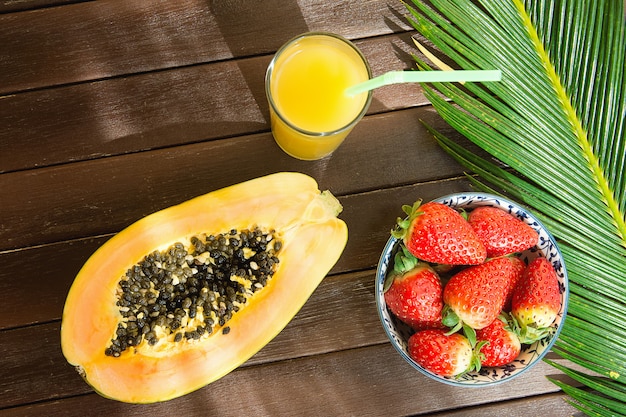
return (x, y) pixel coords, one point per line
(310, 113)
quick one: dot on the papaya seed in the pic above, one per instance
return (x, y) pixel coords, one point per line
(181, 293)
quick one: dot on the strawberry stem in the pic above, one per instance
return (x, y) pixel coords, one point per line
(478, 357)
(526, 334)
(470, 333)
(404, 261)
(451, 319)
(402, 225)
(531, 334)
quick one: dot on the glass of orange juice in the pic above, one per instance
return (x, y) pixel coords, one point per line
(305, 83)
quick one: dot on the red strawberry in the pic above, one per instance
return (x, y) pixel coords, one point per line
(536, 300)
(502, 345)
(415, 293)
(445, 355)
(518, 269)
(501, 232)
(435, 232)
(475, 295)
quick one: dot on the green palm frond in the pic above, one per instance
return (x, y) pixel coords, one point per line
(555, 126)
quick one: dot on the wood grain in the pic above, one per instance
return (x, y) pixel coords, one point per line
(105, 195)
(548, 405)
(22, 5)
(103, 39)
(369, 381)
(163, 109)
(123, 115)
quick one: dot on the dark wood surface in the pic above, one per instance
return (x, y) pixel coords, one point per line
(111, 110)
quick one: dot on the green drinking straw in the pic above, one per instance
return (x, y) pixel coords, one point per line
(397, 77)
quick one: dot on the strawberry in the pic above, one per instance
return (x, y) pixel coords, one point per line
(441, 353)
(414, 294)
(536, 300)
(501, 232)
(475, 295)
(500, 345)
(518, 269)
(436, 233)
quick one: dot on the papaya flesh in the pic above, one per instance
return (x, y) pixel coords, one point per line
(288, 206)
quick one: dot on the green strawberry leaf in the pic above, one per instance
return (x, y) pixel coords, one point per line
(451, 320)
(470, 333)
(477, 352)
(526, 334)
(399, 232)
(404, 261)
(531, 334)
(409, 209)
(475, 363)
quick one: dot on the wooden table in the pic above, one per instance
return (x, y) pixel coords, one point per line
(111, 110)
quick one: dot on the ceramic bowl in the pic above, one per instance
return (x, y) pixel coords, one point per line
(399, 332)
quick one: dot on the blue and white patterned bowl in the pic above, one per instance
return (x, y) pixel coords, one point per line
(399, 332)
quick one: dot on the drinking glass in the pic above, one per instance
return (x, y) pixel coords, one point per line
(305, 83)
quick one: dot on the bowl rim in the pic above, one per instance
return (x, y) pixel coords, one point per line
(470, 199)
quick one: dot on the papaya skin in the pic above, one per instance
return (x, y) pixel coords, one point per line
(313, 240)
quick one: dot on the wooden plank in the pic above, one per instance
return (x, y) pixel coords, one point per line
(165, 108)
(36, 281)
(549, 405)
(46, 272)
(33, 367)
(340, 315)
(94, 40)
(372, 378)
(131, 114)
(102, 196)
(7, 6)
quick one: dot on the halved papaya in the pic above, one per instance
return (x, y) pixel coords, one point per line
(293, 221)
